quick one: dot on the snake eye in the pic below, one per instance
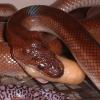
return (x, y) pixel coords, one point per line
(41, 66)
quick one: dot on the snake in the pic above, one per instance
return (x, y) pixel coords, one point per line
(83, 46)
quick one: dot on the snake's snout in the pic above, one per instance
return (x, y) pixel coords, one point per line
(51, 67)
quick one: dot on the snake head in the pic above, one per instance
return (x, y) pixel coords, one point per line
(39, 56)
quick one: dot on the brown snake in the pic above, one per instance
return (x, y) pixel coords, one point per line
(84, 48)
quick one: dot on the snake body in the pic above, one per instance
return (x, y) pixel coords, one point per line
(92, 25)
(84, 48)
(69, 5)
(8, 66)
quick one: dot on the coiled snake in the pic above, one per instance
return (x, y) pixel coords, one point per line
(85, 49)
